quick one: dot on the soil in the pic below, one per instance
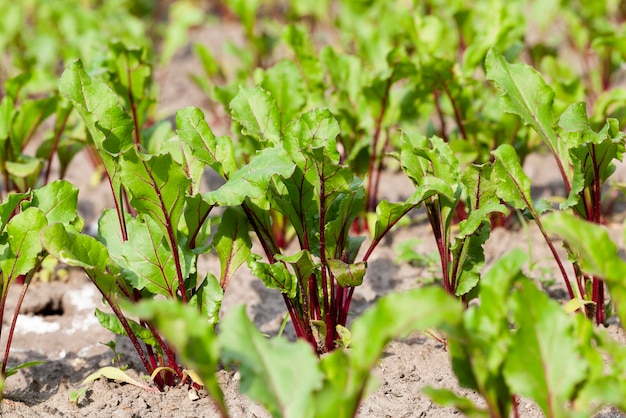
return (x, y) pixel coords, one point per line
(57, 323)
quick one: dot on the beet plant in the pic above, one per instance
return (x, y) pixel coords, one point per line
(585, 158)
(23, 218)
(147, 246)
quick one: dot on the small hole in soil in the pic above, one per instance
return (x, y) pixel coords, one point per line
(51, 308)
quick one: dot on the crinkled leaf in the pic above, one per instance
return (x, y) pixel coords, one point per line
(544, 362)
(268, 373)
(315, 129)
(274, 276)
(232, 243)
(252, 180)
(257, 112)
(302, 263)
(193, 129)
(347, 275)
(469, 255)
(110, 127)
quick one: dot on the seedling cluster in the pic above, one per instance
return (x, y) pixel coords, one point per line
(453, 95)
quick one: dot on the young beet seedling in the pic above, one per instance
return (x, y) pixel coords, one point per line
(585, 158)
(23, 218)
(148, 245)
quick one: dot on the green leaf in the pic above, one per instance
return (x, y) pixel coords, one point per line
(208, 298)
(58, 201)
(112, 323)
(232, 243)
(257, 112)
(80, 250)
(347, 275)
(274, 276)
(544, 362)
(268, 373)
(149, 258)
(218, 153)
(253, 179)
(8, 206)
(157, 188)
(110, 127)
(284, 82)
(596, 253)
(24, 246)
(525, 94)
(513, 185)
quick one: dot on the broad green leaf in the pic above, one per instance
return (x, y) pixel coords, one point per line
(131, 77)
(110, 234)
(24, 246)
(198, 223)
(8, 206)
(315, 129)
(110, 127)
(388, 214)
(395, 316)
(253, 179)
(257, 112)
(513, 185)
(525, 94)
(80, 250)
(218, 153)
(469, 255)
(25, 172)
(208, 298)
(58, 200)
(191, 335)
(300, 41)
(346, 207)
(232, 243)
(30, 115)
(347, 275)
(157, 188)
(284, 82)
(302, 263)
(274, 276)
(544, 362)
(74, 249)
(112, 323)
(268, 373)
(595, 251)
(150, 259)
